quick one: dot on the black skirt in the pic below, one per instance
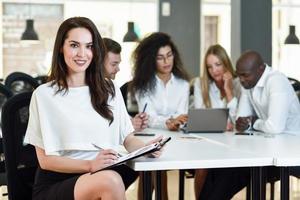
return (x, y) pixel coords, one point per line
(51, 185)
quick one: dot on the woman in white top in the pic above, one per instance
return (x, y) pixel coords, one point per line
(160, 81)
(76, 109)
(217, 87)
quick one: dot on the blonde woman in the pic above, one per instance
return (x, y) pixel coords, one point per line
(217, 87)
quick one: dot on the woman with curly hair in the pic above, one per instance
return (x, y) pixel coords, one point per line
(160, 81)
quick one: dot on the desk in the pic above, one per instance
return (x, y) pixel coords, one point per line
(284, 148)
(198, 153)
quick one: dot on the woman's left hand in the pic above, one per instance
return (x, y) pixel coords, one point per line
(228, 85)
(158, 153)
(229, 126)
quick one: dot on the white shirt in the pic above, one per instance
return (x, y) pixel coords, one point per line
(275, 103)
(170, 100)
(216, 97)
(66, 124)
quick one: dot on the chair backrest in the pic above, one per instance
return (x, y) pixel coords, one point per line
(20, 159)
(124, 91)
(5, 94)
(19, 82)
(296, 85)
(41, 79)
(129, 99)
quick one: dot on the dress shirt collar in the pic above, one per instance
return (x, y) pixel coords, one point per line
(214, 87)
(263, 78)
(169, 82)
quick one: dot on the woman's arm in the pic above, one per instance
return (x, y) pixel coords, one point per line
(68, 165)
(133, 143)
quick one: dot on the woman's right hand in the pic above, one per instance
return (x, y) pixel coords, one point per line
(104, 159)
(173, 124)
(228, 85)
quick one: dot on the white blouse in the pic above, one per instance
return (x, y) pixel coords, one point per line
(275, 103)
(66, 124)
(170, 100)
(216, 97)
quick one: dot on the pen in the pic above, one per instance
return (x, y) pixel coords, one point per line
(145, 106)
(118, 155)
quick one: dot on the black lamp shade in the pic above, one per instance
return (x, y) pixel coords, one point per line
(292, 38)
(130, 36)
(29, 33)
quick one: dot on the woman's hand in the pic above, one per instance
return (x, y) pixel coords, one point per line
(158, 153)
(140, 121)
(228, 85)
(173, 124)
(104, 159)
(229, 126)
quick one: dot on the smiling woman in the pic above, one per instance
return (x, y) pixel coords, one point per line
(63, 136)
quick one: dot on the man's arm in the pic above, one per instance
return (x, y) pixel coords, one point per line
(278, 100)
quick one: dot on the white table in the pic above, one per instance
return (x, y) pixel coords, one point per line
(182, 153)
(284, 148)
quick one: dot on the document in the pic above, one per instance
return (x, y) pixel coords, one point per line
(137, 153)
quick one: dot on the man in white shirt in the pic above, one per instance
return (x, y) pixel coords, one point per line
(268, 101)
(111, 64)
(270, 104)
(139, 121)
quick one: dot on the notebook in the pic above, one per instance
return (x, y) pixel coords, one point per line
(138, 153)
(213, 120)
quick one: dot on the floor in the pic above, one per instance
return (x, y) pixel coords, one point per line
(131, 192)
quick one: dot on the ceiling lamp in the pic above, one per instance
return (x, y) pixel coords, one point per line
(292, 38)
(29, 33)
(130, 36)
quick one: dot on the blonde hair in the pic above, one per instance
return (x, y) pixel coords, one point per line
(205, 78)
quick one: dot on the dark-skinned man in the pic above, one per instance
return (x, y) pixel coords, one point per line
(269, 104)
(268, 101)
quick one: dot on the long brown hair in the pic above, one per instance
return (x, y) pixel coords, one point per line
(144, 58)
(205, 78)
(100, 88)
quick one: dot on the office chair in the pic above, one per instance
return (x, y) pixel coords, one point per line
(125, 93)
(19, 82)
(41, 79)
(296, 85)
(20, 159)
(5, 94)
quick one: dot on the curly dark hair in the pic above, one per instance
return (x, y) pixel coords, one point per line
(144, 58)
(100, 88)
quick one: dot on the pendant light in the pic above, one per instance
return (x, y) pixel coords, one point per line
(292, 38)
(29, 33)
(130, 36)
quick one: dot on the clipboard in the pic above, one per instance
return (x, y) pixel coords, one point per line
(137, 153)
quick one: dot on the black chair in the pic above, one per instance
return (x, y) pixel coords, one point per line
(41, 79)
(5, 94)
(19, 82)
(296, 85)
(20, 159)
(125, 91)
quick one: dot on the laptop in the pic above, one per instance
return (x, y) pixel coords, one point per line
(212, 120)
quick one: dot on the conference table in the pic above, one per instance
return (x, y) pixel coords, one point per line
(225, 150)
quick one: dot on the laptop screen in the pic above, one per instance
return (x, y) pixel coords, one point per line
(212, 120)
